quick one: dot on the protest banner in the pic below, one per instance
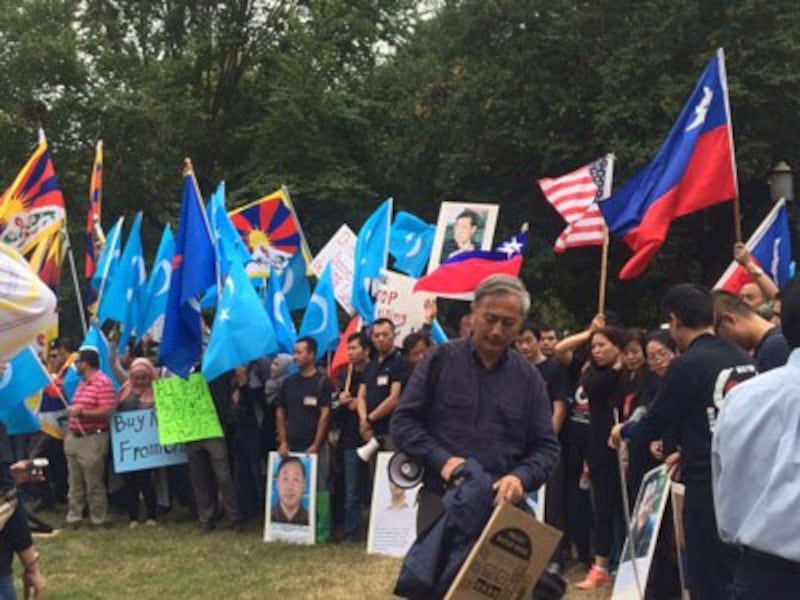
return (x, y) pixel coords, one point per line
(290, 511)
(461, 227)
(507, 559)
(397, 301)
(393, 515)
(185, 410)
(647, 515)
(339, 251)
(134, 442)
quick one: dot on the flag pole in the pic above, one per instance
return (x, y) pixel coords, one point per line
(307, 256)
(737, 210)
(59, 393)
(601, 300)
(75, 282)
(628, 516)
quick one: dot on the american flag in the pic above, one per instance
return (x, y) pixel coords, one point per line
(575, 197)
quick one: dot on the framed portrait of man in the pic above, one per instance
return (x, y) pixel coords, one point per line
(641, 543)
(291, 493)
(462, 227)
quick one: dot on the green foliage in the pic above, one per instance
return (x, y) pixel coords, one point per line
(348, 102)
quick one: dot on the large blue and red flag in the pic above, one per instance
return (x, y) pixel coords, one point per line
(770, 246)
(459, 276)
(193, 272)
(94, 231)
(272, 232)
(694, 169)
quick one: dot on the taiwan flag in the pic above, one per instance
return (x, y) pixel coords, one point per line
(770, 246)
(693, 170)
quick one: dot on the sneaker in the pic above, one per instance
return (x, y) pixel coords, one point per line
(594, 579)
(133, 524)
(151, 522)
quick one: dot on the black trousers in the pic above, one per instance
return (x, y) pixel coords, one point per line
(711, 563)
(607, 496)
(136, 482)
(760, 576)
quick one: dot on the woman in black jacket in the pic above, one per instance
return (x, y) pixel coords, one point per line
(601, 384)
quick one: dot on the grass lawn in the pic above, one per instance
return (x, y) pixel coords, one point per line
(176, 560)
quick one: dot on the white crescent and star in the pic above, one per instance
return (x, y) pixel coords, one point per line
(288, 282)
(229, 284)
(277, 310)
(323, 307)
(415, 249)
(165, 266)
(8, 375)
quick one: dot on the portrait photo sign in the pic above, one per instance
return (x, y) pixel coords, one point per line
(461, 227)
(291, 499)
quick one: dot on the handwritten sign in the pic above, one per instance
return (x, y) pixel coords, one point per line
(134, 442)
(398, 301)
(340, 252)
(185, 410)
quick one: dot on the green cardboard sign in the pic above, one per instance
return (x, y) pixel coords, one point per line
(185, 410)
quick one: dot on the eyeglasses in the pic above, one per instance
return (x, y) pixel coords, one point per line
(660, 355)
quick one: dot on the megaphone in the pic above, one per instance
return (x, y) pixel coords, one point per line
(404, 471)
(366, 451)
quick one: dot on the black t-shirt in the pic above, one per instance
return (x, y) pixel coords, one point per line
(349, 436)
(690, 397)
(379, 377)
(772, 351)
(555, 378)
(601, 386)
(303, 398)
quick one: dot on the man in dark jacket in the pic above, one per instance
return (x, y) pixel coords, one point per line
(476, 398)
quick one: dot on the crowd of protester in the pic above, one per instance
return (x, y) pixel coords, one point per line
(623, 400)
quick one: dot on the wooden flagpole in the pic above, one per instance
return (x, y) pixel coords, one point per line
(601, 301)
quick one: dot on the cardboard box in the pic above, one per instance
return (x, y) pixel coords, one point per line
(508, 558)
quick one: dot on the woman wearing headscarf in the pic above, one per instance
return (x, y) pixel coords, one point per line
(278, 372)
(137, 393)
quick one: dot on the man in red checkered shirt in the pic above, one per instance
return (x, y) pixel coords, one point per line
(87, 441)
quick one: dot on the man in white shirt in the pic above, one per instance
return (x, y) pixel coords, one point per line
(756, 473)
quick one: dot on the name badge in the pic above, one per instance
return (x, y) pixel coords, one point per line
(310, 401)
(383, 380)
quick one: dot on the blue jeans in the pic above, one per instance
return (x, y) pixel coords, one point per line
(354, 477)
(7, 591)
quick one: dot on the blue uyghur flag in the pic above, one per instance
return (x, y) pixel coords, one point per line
(193, 272)
(228, 242)
(242, 331)
(109, 259)
(370, 257)
(295, 282)
(70, 382)
(95, 340)
(158, 286)
(279, 313)
(410, 243)
(320, 320)
(437, 333)
(125, 294)
(18, 419)
(23, 376)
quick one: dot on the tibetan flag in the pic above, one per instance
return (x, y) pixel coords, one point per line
(242, 331)
(770, 246)
(410, 243)
(693, 170)
(320, 320)
(460, 275)
(193, 272)
(372, 247)
(94, 230)
(271, 231)
(575, 197)
(33, 203)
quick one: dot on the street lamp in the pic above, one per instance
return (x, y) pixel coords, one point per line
(781, 182)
